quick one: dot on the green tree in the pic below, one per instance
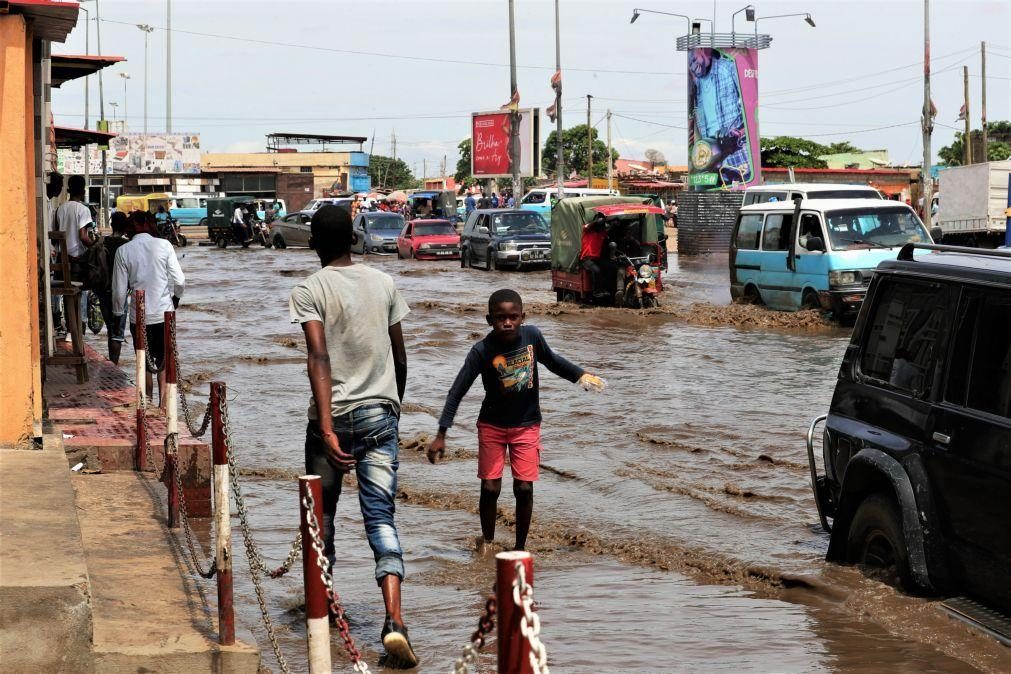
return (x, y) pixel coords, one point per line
(389, 173)
(574, 151)
(787, 151)
(998, 144)
(841, 148)
(462, 175)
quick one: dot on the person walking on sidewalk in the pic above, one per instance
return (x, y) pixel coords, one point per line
(148, 263)
(357, 366)
(75, 220)
(101, 258)
(510, 419)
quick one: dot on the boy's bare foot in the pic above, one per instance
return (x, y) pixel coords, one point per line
(483, 545)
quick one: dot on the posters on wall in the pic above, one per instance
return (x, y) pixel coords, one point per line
(490, 138)
(723, 143)
(137, 153)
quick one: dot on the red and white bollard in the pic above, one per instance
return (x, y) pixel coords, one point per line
(170, 395)
(317, 621)
(513, 647)
(222, 518)
(140, 349)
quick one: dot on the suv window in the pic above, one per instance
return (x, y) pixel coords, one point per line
(777, 231)
(810, 226)
(749, 231)
(980, 372)
(906, 337)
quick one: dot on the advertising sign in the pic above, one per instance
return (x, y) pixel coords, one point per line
(724, 148)
(490, 138)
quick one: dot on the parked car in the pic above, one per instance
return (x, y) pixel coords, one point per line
(315, 204)
(812, 254)
(788, 192)
(377, 233)
(497, 238)
(290, 230)
(542, 199)
(429, 239)
(917, 441)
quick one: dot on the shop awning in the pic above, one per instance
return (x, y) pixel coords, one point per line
(51, 19)
(69, 137)
(66, 67)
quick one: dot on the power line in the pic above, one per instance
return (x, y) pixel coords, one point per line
(402, 57)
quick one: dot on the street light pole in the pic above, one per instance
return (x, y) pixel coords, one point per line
(168, 66)
(126, 119)
(560, 163)
(636, 12)
(928, 122)
(807, 18)
(101, 112)
(147, 31)
(86, 149)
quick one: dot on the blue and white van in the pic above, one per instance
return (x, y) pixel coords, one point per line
(190, 209)
(816, 253)
(540, 200)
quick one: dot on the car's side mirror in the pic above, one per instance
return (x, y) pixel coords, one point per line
(815, 244)
(482, 230)
(936, 233)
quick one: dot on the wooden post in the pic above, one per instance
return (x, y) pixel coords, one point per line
(140, 347)
(513, 647)
(317, 622)
(140, 453)
(222, 518)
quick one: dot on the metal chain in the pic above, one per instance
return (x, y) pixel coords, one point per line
(195, 430)
(212, 562)
(331, 594)
(530, 624)
(268, 624)
(484, 625)
(255, 558)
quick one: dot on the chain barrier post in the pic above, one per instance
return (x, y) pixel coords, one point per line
(172, 483)
(171, 394)
(140, 349)
(513, 647)
(222, 518)
(317, 621)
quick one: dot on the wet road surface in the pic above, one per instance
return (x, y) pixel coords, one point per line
(674, 528)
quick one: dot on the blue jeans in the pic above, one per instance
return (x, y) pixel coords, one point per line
(371, 435)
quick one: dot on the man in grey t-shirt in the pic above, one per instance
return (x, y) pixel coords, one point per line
(357, 366)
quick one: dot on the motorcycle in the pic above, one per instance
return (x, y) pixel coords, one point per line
(639, 286)
(235, 235)
(169, 230)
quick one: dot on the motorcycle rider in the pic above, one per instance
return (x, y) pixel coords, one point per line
(240, 226)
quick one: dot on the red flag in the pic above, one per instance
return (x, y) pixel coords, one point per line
(514, 103)
(961, 114)
(552, 112)
(556, 82)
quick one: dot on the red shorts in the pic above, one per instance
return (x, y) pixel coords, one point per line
(523, 444)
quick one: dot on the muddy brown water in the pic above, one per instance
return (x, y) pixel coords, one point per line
(674, 525)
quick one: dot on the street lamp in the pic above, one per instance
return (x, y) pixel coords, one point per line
(114, 105)
(125, 77)
(637, 11)
(147, 31)
(807, 18)
(750, 16)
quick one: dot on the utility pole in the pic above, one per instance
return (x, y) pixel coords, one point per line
(168, 67)
(982, 53)
(424, 171)
(86, 149)
(610, 164)
(967, 139)
(514, 125)
(101, 112)
(589, 145)
(560, 164)
(928, 122)
(443, 171)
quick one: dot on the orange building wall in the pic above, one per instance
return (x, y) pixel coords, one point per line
(20, 385)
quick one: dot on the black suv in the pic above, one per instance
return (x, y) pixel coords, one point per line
(917, 441)
(496, 238)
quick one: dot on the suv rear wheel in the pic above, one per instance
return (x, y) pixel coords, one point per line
(875, 541)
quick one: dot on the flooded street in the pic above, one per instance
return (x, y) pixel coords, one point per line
(674, 527)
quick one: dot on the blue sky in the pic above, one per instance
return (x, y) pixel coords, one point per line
(858, 70)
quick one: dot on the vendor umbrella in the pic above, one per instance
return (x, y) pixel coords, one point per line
(397, 196)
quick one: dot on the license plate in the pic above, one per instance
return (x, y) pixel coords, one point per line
(443, 252)
(532, 255)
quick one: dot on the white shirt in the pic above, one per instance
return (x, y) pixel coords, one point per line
(148, 264)
(71, 218)
(237, 216)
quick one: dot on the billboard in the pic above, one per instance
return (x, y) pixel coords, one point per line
(724, 148)
(137, 153)
(490, 138)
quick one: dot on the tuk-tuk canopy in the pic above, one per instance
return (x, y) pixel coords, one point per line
(127, 203)
(622, 209)
(569, 215)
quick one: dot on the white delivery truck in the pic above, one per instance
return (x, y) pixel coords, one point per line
(972, 203)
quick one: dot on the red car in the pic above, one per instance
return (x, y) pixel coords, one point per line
(429, 240)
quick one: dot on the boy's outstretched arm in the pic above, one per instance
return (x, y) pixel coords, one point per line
(551, 360)
(464, 379)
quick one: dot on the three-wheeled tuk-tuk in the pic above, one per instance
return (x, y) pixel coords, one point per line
(627, 272)
(219, 222)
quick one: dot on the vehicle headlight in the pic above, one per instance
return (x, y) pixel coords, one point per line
(646, 271)
(424, 246)
(508, 245)
(376, 238)
(843, 278)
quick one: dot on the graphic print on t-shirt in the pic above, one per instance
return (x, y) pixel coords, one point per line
(516, 369)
